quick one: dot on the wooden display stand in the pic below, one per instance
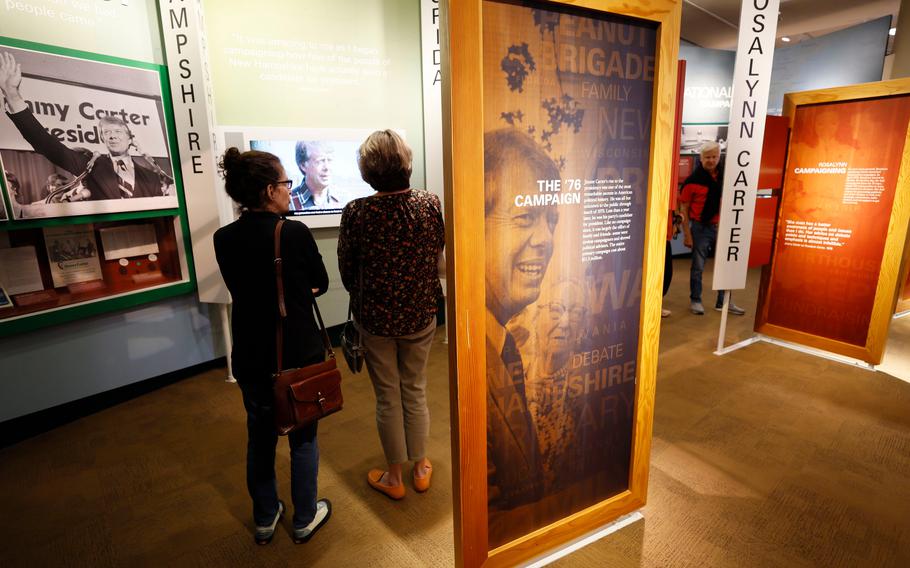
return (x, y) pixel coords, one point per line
(468, 106)
(119, 278)
(865, 338)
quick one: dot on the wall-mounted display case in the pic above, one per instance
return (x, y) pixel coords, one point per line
(93, 216)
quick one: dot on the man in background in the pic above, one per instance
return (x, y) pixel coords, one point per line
(699, 205)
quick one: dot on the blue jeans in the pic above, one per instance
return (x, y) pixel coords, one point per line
(704, 237)
(260, 461)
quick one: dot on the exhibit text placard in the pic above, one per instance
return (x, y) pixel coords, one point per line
(837, 199)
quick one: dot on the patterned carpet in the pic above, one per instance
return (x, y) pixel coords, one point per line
(764, 457)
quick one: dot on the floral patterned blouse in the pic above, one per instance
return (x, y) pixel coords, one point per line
(396, 238)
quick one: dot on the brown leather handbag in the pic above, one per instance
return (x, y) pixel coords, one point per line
(307, 394)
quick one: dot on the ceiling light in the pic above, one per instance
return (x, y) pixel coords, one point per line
(785, 39)
(892, 31)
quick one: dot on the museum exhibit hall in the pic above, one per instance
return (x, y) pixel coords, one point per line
(470, 283)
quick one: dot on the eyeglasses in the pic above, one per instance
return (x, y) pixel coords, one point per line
(557, 311)
(285, 182)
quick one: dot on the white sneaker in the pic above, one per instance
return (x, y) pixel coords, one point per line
(265, 533)
(697, 308)
(733, 309)
(323, 512)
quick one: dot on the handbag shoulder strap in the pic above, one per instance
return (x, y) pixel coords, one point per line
(282, 308)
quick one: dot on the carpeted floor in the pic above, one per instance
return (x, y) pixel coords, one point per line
(763, 457)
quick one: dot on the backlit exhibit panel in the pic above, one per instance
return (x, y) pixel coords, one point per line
(567, 127)
(836, 205)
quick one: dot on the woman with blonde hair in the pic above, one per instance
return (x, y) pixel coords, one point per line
(388, 250)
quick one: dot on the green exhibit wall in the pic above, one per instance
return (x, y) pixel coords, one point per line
(110, 28)
(364, 73)
(70, 361)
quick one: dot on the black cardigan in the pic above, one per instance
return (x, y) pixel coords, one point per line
(245, 253)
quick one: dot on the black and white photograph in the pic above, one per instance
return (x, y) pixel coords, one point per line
(82, 137)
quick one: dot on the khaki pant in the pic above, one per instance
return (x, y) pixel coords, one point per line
(397, 367)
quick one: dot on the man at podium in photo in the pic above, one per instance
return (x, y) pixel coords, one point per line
(115, 175)
(519, 245)
(315, 162)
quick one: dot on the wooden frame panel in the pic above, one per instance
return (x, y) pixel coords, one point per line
(903, 284)
(897, 234)
(463, 101)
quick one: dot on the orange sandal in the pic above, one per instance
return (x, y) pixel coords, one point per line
(422, 484)
(392, 492)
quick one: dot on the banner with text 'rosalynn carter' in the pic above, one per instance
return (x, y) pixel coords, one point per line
(838, 193)
(567, 121)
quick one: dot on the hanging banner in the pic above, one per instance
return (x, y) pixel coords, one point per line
(183, 39)
(432, 95)
(751, 84)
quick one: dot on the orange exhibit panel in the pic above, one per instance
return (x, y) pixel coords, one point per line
(763, 231)
(684, 168)
(905, 294)
(836, 208)
(903, 298)
(773, 152)
(675, 175)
